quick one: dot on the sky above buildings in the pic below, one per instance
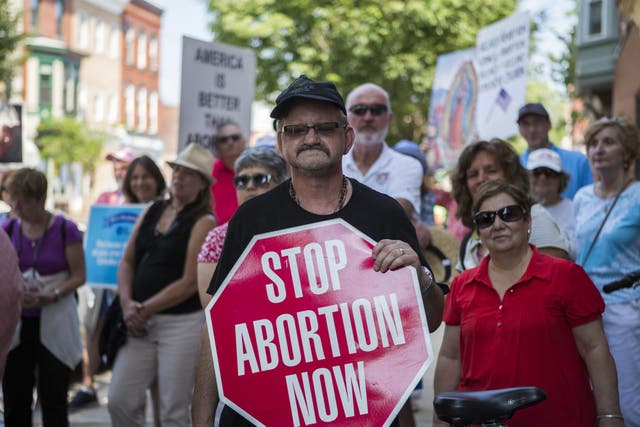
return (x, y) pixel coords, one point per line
(191, 17)
(180, 18)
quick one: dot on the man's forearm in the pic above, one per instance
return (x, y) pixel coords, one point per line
(205, 393)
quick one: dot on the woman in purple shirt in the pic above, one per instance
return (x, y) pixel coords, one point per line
(46, 345)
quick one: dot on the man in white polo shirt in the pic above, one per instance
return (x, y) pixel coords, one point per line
(372, 161)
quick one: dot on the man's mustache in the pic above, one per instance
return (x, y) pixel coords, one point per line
(305, 147)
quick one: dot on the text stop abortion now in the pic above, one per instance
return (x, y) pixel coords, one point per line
(361, 325)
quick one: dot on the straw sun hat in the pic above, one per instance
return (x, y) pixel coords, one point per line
(442, 252)
(197, 158)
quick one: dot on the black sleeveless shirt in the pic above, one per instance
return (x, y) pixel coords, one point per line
(159, 257)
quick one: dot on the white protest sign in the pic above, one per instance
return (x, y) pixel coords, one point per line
(218, 84)
(502, 51)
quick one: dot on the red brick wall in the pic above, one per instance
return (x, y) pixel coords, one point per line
(47, 26)
(146, 20)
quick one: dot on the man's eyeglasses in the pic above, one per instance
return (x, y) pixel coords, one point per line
(375, 110)
(224, 139)
(549, 173)
(259, 180)
(322, 129)
(510, 213)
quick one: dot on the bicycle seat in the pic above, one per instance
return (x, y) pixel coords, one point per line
(488, 406)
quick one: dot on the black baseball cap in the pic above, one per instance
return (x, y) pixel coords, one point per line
(305, 88)
(533, 109)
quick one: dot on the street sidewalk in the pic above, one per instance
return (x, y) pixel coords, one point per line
(96, 415)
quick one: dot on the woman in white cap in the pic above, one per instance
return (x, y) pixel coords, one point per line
(158, 293)
(547, 181)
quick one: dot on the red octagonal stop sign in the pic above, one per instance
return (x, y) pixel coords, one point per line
(304, 332)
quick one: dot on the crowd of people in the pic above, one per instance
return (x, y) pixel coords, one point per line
(539, 239)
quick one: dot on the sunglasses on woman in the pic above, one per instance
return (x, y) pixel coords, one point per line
(259, 180)
(510, 213)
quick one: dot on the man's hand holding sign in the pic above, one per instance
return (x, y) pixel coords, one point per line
(312, 322)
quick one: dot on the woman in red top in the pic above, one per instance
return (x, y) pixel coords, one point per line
(523, 318)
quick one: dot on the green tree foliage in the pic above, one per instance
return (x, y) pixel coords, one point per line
(66, 140)
(9, 40)
(393, 43)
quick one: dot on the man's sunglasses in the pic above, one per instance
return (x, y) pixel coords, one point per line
(375, 110)
(510, 213)
(549, 173)
(224, 139)
(259, 180)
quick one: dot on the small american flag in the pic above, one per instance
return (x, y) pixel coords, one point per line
(503, 100)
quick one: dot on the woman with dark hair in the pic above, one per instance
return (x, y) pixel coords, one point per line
(524, 318)
(257, 171)
(484, 161)
(159, 297)
(143, 181)
(46, 346)
(607, 231)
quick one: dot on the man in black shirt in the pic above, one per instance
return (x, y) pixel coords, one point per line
(313, 135)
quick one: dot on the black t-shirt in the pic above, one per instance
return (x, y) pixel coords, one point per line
(373, 213)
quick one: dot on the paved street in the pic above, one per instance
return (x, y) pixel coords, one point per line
(96, 415)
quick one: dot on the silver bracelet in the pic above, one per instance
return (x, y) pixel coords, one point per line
(609, 417)
(431, 281)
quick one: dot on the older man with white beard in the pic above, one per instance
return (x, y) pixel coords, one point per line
(372, 161)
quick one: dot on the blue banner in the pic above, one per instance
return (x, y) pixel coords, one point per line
(107, 235)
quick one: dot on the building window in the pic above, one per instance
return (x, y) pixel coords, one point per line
(83, 30)
(35, 11)
(142, 110)
(114, 42)
(113, 108)
(142, 51)
(153, 55)
(82, 101)
(130, 106)
(130, 45)
(99, 36)
(98, 107)
(59, 16)
(595, 18)
(71, 76)
(153, 113)
(46, 86)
